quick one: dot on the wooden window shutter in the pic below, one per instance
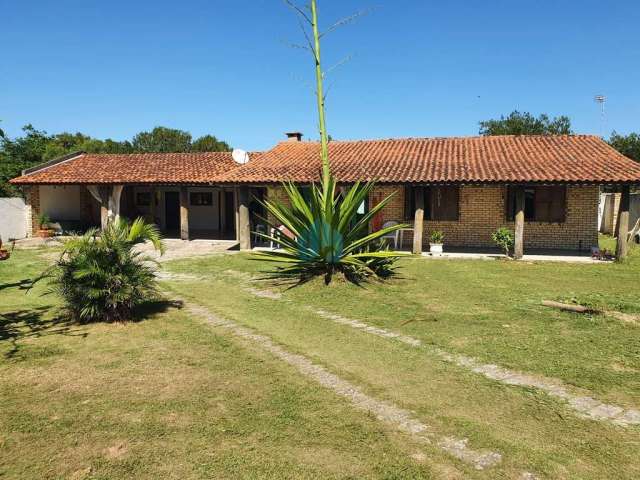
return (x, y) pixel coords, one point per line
(409, 203)
(550, 204)
(444, 203)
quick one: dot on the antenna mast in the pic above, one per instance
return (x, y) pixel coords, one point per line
(601, 99)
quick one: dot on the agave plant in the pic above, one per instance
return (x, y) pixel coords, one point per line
(324, 234)
(103, 278)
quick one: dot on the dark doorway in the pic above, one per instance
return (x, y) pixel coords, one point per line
(229, 214)
(172, 211)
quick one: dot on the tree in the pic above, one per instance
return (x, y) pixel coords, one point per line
(628, 145)
(322, 233)
(526, 124)
(162, 139)
(209, 143)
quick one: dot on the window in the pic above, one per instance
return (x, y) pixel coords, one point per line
(143, 199)
(440, 203)
(201, 199)
(541, 204)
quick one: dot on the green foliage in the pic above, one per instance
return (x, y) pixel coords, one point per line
(628, 145)
(518, 123)
(103, 278)
(44, 220)
(162, 139)
(503, 238)
(37, 146)
(328, 236)
(436, 236)
(209, 143)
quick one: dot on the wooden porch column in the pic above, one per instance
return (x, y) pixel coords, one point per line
(622, 246)
(244, 225)
(418, 220)
(104, 191)
(184, 213)
(152, 205)
(518, 249)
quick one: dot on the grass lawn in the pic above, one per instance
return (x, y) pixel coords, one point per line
(167, 397)
(171, 397)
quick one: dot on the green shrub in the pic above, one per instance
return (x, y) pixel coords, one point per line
(44, 220)
(436, 237)
(101, 277)
(503, 238)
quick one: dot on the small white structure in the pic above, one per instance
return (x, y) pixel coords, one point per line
(13, 218)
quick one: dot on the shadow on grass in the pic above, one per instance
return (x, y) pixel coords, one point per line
(155, 307)
(24, 324)
(24, 284)
(30, 323)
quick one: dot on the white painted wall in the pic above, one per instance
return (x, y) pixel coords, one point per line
(13, 218)
(61, 202)
(204, 217)
(200, 217)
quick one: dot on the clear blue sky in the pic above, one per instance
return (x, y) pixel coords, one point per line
(420, 68)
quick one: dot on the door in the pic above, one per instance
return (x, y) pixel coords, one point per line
(172, 211)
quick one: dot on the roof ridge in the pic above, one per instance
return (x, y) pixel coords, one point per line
(460, 137)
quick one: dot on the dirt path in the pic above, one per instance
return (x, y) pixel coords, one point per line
(586, 406)
(386, 412)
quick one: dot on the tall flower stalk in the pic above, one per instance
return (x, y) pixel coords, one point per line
(324, 233)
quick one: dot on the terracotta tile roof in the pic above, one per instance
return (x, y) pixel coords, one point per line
(576, 158)
(134, 168)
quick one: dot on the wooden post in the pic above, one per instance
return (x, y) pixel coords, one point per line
(622, 246)
(152, 205)
(104, 191)
(184, 213)
(244, 226)
(418, 220)
(518, 249)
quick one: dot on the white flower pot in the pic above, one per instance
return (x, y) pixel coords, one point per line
(435, 248)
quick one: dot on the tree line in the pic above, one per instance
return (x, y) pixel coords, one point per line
(37, 146)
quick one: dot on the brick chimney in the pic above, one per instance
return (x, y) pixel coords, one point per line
(294, 136)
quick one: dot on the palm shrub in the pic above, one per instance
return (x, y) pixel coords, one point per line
(104, 278)
(327, 236)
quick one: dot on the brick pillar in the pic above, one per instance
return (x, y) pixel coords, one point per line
(32, 194)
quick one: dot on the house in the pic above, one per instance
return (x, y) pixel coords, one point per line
(545, 188)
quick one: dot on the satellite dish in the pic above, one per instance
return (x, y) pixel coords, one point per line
(240, 156)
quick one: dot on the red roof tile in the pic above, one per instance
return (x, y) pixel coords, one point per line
(575, 158)
(579, 158)
(134, 168)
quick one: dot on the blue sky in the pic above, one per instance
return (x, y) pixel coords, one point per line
(419, 68)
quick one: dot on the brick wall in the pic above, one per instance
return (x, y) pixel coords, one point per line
(276, 193)
(32, 194)
(482, 211)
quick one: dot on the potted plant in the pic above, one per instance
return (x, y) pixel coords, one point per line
(45, 231)
(435, 242)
